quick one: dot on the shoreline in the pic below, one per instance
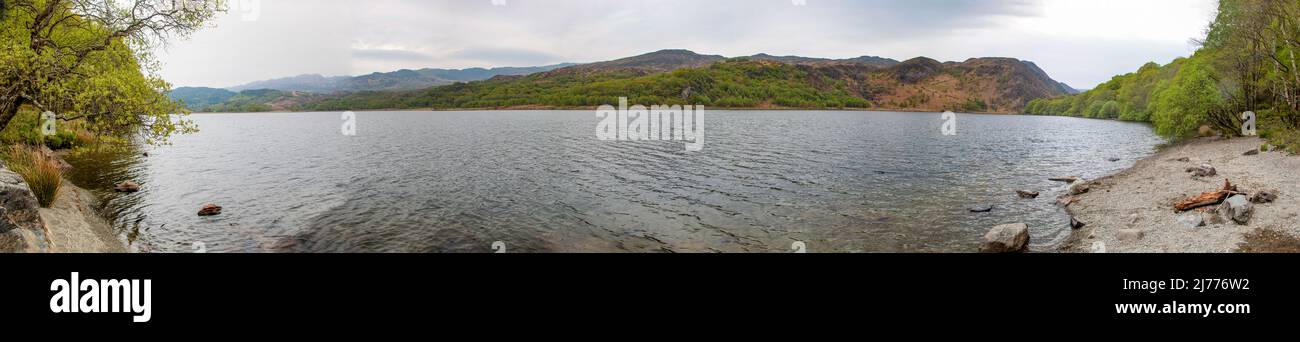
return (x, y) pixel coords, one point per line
(1141, 199)
(75, 227)
(549, 108)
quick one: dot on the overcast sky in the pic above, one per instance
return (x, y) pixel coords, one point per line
(1080, 42)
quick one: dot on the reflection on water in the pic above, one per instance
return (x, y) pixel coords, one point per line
(540, 181)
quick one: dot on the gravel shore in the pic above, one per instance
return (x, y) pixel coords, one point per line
(1143, 197)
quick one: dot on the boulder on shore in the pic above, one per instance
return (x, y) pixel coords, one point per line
(210, 210)
(1205, 170)
(1237, 208)
(1079, 187)
(1263, 196)
(1075, 224)
(1251, 153)
(1190, 220)
(1007, 238)
(21, 227)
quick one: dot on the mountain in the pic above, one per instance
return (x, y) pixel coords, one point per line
(760, 81)
(866, 60)
(214, 100)
(199, 97)
(397, 80)
(650, 63)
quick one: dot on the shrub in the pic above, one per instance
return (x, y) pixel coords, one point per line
(42, 174)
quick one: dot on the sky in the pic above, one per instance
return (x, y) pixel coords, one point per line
(1079, 42)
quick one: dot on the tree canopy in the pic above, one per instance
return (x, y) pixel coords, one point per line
(1247, 62)
(91, 60)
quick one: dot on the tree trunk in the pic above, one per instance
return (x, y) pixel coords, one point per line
(9, 109)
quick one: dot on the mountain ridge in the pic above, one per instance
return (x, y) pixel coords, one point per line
(986, 84)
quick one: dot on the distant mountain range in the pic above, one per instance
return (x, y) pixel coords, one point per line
(666, 76)
(404, 79)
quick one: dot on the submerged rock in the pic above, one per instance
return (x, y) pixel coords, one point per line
(1237, 208)
(1070, 179)
(1007, 238)
(1027, 194)
(210, 210)
(127, 186)
(981, 208)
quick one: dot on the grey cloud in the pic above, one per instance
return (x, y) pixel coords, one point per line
(294, 36)
(506, 56)
(391, 55)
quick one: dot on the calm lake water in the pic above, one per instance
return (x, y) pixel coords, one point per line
(540, 181)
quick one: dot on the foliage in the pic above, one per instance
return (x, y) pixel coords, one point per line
(1247, 62)
(92, 60)
(41, 173)
(733, 83)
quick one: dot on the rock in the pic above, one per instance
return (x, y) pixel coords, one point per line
(1213, 217)
(1205, 170)
(210, 209)
(1206, 131)
(1027, 194)
(127, 186)
(1064, 179)
(47, 153)
(21, 226)
(1237, 208)
(1113, 160)
(1066, 201)
(1190, 220)
(1130, 235)
(1076, 224)
(1263, 196)
(1078, 188)
(1183, 159)
(1007, 238)
(1098, 247)
(1251, 153)
(982, 208)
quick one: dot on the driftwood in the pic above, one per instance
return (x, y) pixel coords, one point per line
(1208, 198)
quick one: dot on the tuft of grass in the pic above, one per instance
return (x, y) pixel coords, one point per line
(41, 174)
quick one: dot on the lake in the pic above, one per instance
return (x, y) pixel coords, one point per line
(540, 181)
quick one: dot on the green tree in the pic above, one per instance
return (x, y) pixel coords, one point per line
(1190, 98)
(92, 60)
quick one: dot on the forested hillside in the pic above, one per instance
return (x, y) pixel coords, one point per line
(1247, 62)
